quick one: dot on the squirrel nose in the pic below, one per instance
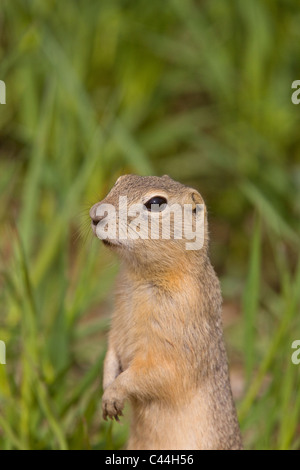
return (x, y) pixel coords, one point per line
(93, 215)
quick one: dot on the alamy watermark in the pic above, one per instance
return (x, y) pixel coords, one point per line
(2, 92)
(296, 354)
(135, 222)
(2, 353)
(296, 95)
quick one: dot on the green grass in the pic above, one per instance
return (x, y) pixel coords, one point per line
(198, 90)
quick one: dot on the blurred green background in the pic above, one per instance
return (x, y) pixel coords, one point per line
(200, 90)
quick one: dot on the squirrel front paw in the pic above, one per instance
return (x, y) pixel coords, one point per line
(112, 404)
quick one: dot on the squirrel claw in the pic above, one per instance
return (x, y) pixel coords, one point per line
(112, 409)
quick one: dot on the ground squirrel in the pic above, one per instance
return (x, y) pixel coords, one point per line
(166, 352)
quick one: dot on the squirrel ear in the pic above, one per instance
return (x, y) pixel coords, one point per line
(194, 199)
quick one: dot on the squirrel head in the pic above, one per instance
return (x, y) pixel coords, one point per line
(152, 222)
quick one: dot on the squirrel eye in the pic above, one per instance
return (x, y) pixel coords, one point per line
(156, 204)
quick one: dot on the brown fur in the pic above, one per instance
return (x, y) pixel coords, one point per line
(166, 352)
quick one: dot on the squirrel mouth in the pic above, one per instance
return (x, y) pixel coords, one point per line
(107, 242)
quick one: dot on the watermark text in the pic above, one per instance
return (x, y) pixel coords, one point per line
(296, 354)
(2, 353)
(2, 92)
(133, 222)
(296, 94)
